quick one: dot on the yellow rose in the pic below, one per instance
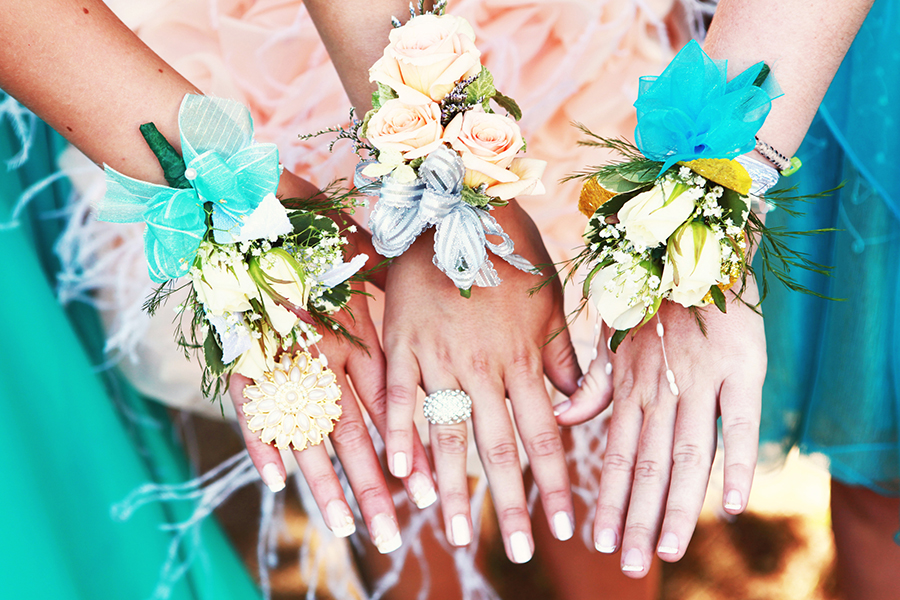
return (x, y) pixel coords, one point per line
(487, 144)
(285, 289)
(222, 282)
(259, 358)
(651, 217)
(427, 57)
(690, 273)
(412, 130)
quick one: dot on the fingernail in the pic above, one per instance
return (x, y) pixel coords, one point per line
(385, 534)
(272, 477)
(609, 368)
(606, 541)
(400, 466)
(459, 530)
(634, 561)
(562, 407)
(580, 381)
(562, 526)
(733, 500)
(422, 491)
(668, 544)
(340, 519)
(521, 549)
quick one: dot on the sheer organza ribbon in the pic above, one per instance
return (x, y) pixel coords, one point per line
(692, 111)
(405, 210)
(223, 167)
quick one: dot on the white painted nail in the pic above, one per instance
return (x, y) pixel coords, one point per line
(668, 544)
(385, 534)
(459, 530)
(562, 526)
(606, 541)
(580, 381)
(272, 477)
(562, 407)
(422, 490)
(733, 500)
(634, 561)
(340, 519)
(400, 467)
(609, 368)
(520, 547)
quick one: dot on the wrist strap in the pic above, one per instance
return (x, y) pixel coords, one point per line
(786, 166)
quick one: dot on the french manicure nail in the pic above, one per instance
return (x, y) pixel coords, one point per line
(340, 519)
(272, 477)
(422, 491)
(385, 534)
(459, 530)
(521, 549)
(562, 407)
(634, 561)
(400, 467)
(668, 544)
(733, 500)
(606, 541)
(562, 526)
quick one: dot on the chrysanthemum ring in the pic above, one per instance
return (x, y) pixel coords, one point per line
(296, 405)
(447, 407)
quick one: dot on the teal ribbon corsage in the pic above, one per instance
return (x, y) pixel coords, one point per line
(225, 175)
(693, 111)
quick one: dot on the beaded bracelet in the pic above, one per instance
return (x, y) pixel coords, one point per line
(786, 166)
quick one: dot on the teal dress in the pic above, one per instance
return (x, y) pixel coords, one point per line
(833, 382)
(75, 439)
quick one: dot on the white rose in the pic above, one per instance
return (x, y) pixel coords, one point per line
(618, 292)
(688, 275)
(222, 282)
(651, 217)
(427, 57)
(412, 130)
(285, 290)
(260, 358)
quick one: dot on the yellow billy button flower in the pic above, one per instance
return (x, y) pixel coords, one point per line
(296, 405)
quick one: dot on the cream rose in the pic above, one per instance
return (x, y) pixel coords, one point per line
(651, 217)
(223, 283)
(427, 57)
(529, 172)
(411, 130)
(487, 144)
(260, 358)
(288, 285)
(621, 293)
(689, 274)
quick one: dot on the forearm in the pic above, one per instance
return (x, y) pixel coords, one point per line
(804, 41)
(91, 78)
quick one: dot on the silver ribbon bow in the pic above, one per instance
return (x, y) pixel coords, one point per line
(405, 210)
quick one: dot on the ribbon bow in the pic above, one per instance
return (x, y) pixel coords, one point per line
(405, 210)
(223, 167)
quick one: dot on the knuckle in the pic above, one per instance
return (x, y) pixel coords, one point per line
(525, 362)
(613, 511)
(481, 364)
(454, 498)
(450, 442)
(546, 443)
(368, 492)
(401, 396)
(679, 514)
(688, 455)
(513, 513)
(377, 403)
(638, 530)
(741, 425)
(647, 471)
(350, 434)
(558, 497)
(615, 461)
(321, 482)
(503, 454)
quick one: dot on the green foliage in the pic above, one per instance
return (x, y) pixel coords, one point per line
(508, 104)
(481, 89)
(474, 197)
(381, 96)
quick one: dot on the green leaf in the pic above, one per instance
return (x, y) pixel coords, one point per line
(482, 88)
(718, 297)
(617, 184)
(171, 162)
(612, 206)
(474, 198)
(335, 298)
(734, 207)
(639, 171)
(508, 104)
(617, 338)
(213, 354)
(382, 95)
(465, 293)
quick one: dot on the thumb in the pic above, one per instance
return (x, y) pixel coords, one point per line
(593, 395)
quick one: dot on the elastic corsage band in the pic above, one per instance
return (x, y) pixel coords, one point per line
(438, 153)
(262, 275)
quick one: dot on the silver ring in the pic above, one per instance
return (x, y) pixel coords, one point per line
(447, 407)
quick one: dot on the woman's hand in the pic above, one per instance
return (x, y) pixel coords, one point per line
(661, 444)
(493, 345)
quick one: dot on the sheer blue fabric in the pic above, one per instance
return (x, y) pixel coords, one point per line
(833, 384)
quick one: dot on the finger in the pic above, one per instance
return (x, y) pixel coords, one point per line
(740, 402)
(449, 446)
(559, 359)
(266, 458)
(499, 454)
(354, 447)
(594, 392)
(652, 471)
(543, 445)
(692, 456)
(402, 385)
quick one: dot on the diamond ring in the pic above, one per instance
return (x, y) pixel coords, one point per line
(447, 407)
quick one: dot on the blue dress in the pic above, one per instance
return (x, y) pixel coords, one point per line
(75, 439)
(833, 383)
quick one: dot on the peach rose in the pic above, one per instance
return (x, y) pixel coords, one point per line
(487, 143)
(427, 57)
(529, 172)
(413, 130)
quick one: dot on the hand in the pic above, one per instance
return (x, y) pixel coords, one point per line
(491, 345)
(661, 445)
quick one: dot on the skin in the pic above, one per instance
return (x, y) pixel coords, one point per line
(661, 446)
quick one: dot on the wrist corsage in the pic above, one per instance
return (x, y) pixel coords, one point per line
(262, 275)
(673, 219)
(438, 153)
